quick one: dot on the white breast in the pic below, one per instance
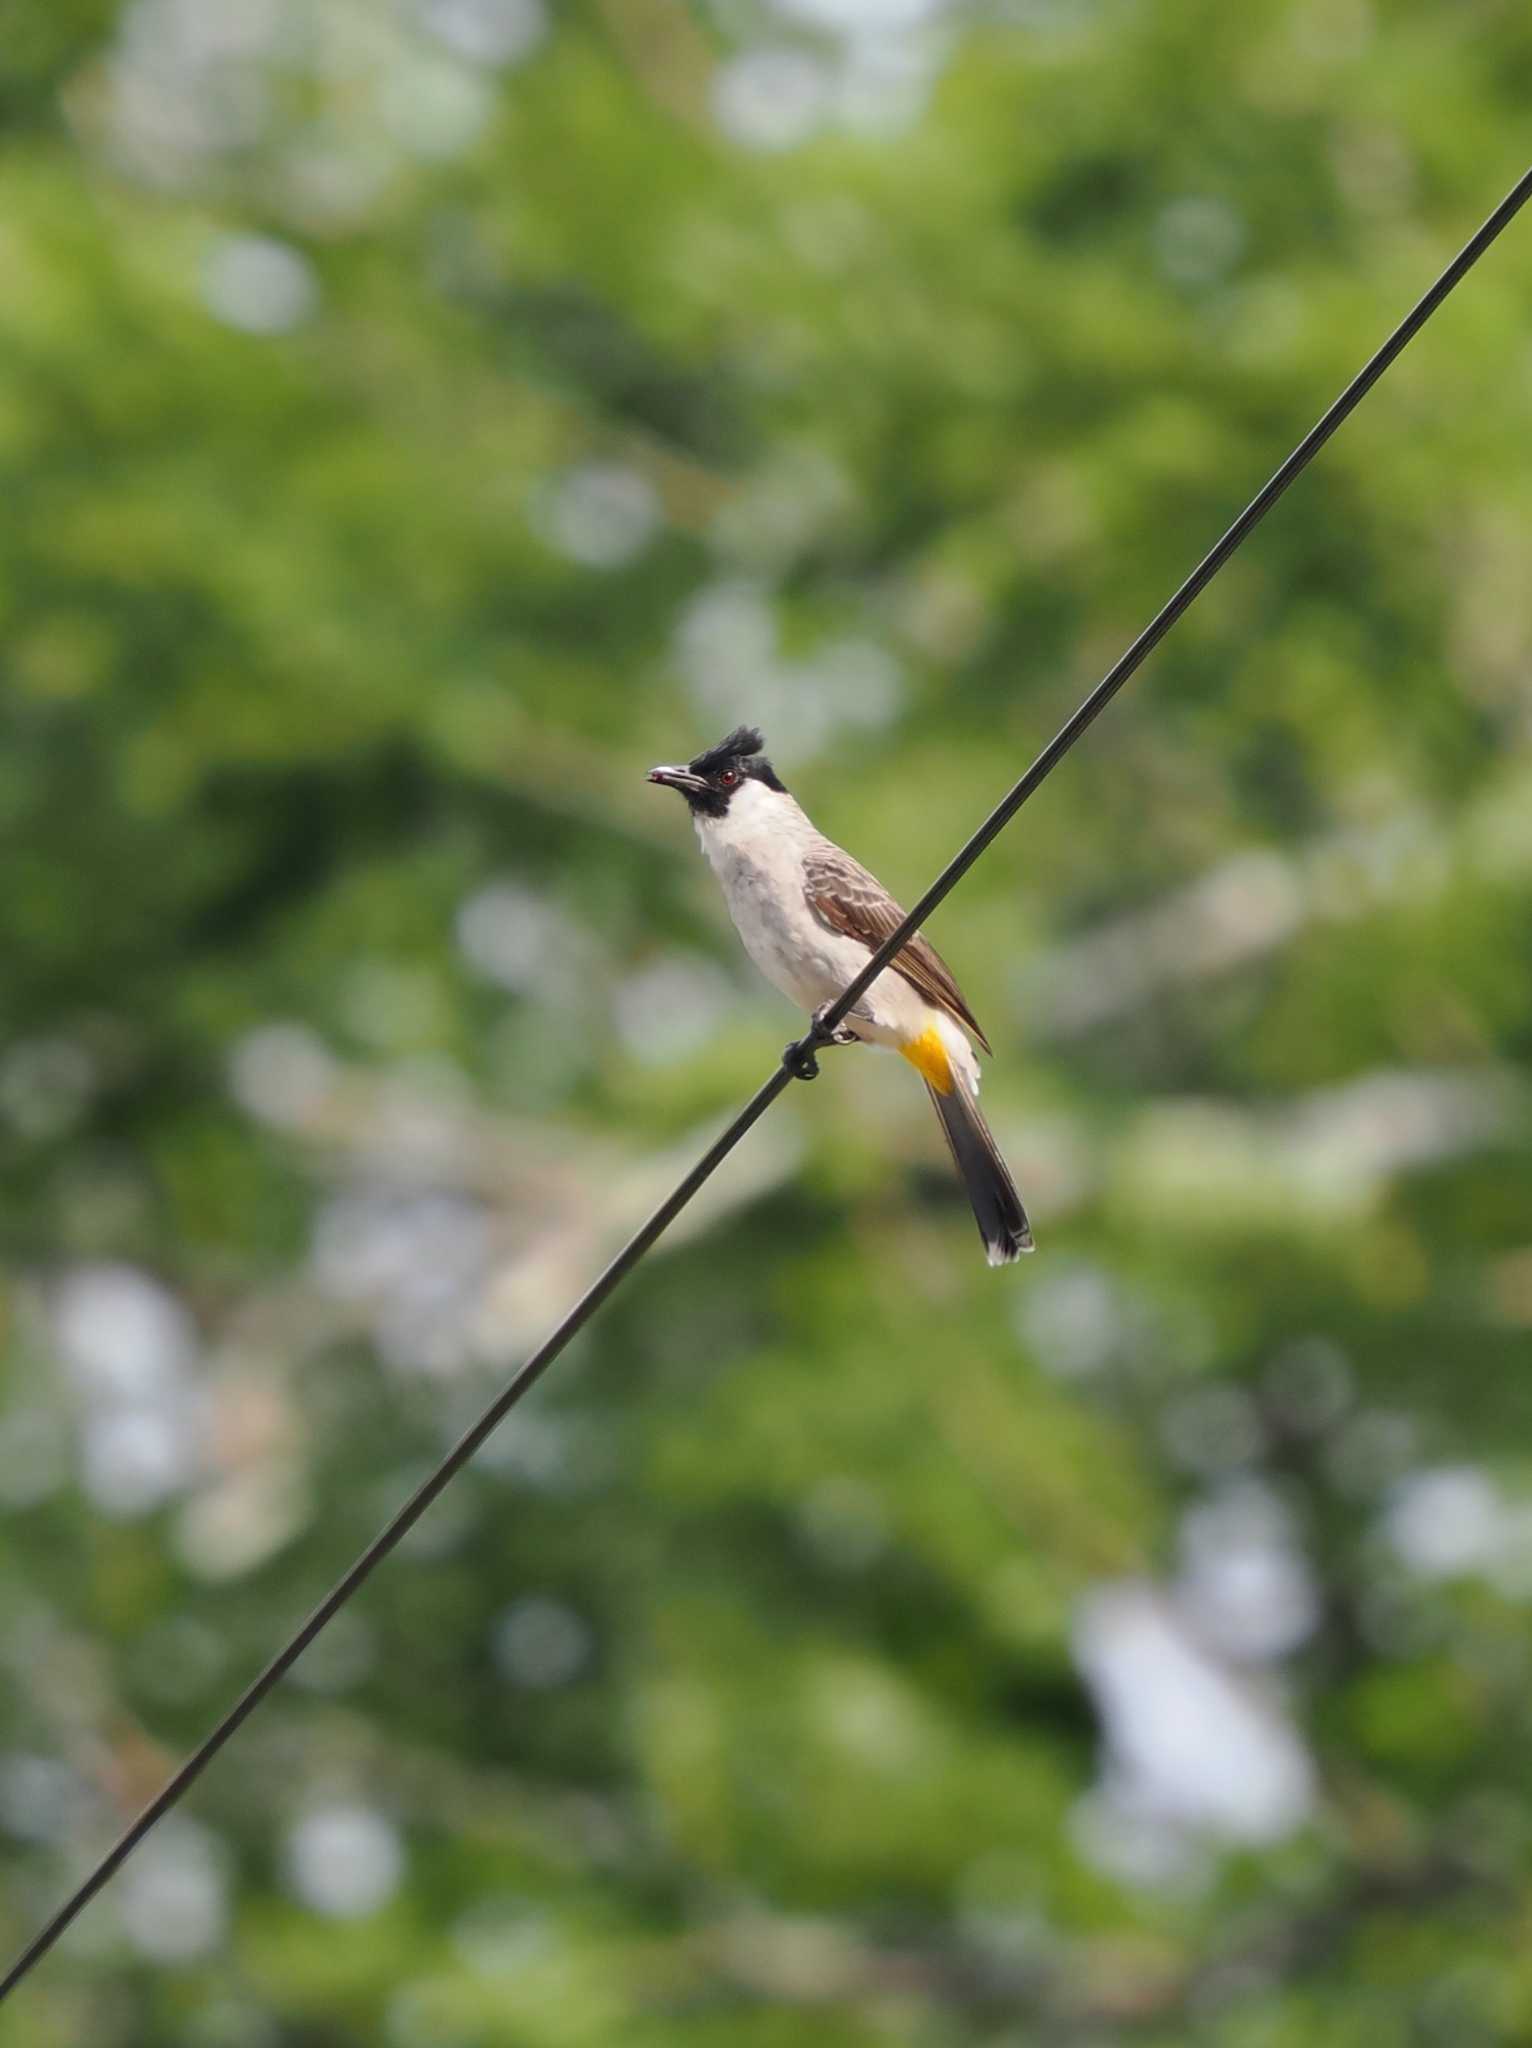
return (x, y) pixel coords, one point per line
(757, 851)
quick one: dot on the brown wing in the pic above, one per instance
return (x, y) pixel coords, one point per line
(845, 897)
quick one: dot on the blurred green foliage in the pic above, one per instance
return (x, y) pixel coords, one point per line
(416, 420)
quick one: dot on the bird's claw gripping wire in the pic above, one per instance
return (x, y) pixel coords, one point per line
(801, 1058)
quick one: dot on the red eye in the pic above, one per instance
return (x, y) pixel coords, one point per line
(729, 777)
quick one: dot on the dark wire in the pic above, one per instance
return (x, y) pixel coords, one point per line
(1190, 590)
(527, 1377)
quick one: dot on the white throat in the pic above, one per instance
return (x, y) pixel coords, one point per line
(757, 819)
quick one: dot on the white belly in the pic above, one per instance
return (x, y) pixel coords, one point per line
(758, 853)
(803, 958)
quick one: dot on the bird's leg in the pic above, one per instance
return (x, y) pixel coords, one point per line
(842, 1033)
(801, 1057)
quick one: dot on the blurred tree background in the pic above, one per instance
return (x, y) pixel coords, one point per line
(418, 416)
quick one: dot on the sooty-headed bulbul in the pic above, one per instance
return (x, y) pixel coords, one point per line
(811, 917)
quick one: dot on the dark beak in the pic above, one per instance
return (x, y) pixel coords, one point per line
(677, 778)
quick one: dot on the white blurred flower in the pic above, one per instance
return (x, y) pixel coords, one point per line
(241, 1521)
(670, 1008)
(727, 631)
(728, 648)
(172, 1895)
(487, 31)
(863, 17)
(1446, 1522)
(41, 1799)
(344, 1860)
(1074, 1319)
(770, 98)
(506, 931)
(1198, 240)
(885, 81)
(542, 1643)
(1244, 1581)
(435, 108)
(1235, 912)
(856, 681)
(258, 284)
(1212, 1429)
(281, 1073)
(185, 82)
(602, 514)
(133, 1458)
(128, 1347)
(1187, 1739)
(415, 1262)
(121, 1334)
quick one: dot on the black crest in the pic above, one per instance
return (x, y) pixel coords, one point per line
(718, 774)
(733, 751)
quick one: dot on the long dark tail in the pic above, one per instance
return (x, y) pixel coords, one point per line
(997, 1207)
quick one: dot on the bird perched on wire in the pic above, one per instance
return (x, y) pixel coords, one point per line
(811, 917)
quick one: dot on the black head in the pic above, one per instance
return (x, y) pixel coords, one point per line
(711, 780)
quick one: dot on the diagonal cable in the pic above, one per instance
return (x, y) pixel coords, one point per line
(522, 1381)
(1090, 710)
